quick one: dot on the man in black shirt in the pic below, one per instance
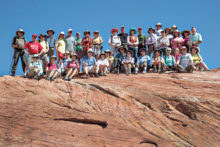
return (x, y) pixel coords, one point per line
(123, 37)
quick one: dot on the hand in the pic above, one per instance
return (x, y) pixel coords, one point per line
(15, 46)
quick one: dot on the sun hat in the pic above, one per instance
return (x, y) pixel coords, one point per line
(195, 47)
(185, 31)
(50, 30)
(62, 33)
(158, 24)
(114, 30)
(96, 31)
(151, 29)
(168, 49)
(20, 30)
(107, 51)
(70, 30)
(34, 35)
(174, 26)
(133, 29)
(53, 57)
(90, 50)
(183, 47)
(35, 56)
(86, 32)
(122, 47)
(103, 53)
(73, 54)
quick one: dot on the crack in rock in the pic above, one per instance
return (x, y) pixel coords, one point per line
(148, 142)
(103, 124)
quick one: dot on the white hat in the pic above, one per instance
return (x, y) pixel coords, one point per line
(174, 26)
(168, 49)
(90, 50)
(62, 33)
(158, 24)
(69, 30)
(20, 30)
(35, 56)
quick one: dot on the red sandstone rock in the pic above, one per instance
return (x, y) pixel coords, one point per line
(152, 110)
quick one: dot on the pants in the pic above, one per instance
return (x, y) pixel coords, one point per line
(134, 52)
(50, 52)
(188, 68)
(18, 53)
(163, 51)
(114, 50)
(117, 63)
(90, 69)
(34, 72)
(141, 65)
(150, 49)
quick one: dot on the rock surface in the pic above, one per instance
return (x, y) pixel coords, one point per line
(152, 110)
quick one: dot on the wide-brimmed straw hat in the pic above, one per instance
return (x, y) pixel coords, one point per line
(122, 47)
(53, 57)
(107, 51)
(35, 56)
(73, 54)
(50, 30)
(159, 24)
(195, 47)
(20, 30)
(90, 50)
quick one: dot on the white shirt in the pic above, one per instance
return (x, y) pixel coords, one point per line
(163, 40)
(152, 39)
(158, 32)
(133, 38)
(102, 62)
(114, 40)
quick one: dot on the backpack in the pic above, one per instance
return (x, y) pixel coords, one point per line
(20, 42)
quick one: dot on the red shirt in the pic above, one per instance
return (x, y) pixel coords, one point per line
(52, 67)
(87, 43)
(72, 64)
(176, 57)
(33, 47)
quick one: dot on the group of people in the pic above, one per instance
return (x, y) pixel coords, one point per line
(160, 51)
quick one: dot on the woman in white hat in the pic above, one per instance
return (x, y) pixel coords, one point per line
(60, 47)
(97, 41)
(173, 28)
(35, 68)
(158, 29)
(197, 59)
(102, 64)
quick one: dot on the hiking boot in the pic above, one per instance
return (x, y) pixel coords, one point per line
(96, 75)
(25, 75)
(101, 74)
(129, 71)
(66, 79)
(12, 74)
(87, 76)
(144, 71)
(104, 74)
(70, 78)
(44, 73)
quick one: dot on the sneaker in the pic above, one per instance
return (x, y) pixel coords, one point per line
(104, 74)
(96, 75)
(87, 76)
(44, 73)
(155, 71)
(144, 72)
(66, 79)
(12, 74)
(70, 78)
(101, 74)
(25, 75)
(48, 79)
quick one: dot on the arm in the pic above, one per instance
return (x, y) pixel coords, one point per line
(137, 42)
(13, 43)
(128, 40)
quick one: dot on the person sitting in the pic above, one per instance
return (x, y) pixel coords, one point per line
(44, 51)
(177, 41)
(151, 41)
(102, 64)
(64, 63)
(35, 68)
(185, 62)
(128, 62)
(142, 62)
(176, 54)
(197, 59)
(114, 41)
(89, 64)
(157, 61)
(169, 61)
(117, 64)
(52, 69)
(97, 41)
(110, 59)
(72, 68)
(133, 42)
(163, 43)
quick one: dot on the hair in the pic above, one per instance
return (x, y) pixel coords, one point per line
(175, 35)
(167, 29)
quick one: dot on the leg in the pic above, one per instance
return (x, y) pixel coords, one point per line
(23, 60)
(180, 68)
(15, 61)
(75, 71)
(101, 69)
(204, 66)
(129, 68)
(105, 70)
(69, 72)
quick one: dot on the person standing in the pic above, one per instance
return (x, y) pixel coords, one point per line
(60, 48)
(173, 28)
(186, 36)
(163, 43)
(151, 41)
(114, 41)
(133, 42)
(79, 48)
(97, 41)
(51, 41)
(142, 40)
(70, 42)
(195, 38)
(123, 37)
(18, 44)
(177, 41)
(158, 29)
(86, 42)
(43, 54)
(34, 48)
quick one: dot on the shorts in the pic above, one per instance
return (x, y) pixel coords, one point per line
(60, 55)
(90, 69)
(97, 49)
(44, 58)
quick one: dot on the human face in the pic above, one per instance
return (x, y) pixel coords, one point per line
(128, 54)
(34, 39)
(132, 32)
(20, 34)
(96, 34)
(158, 27)
(193, 51)
(89, 54)
(122, 30)
(184, 51)
(140, 31)
(35, 59)
(78, 36)
(167, 31)
(114, 33)
(193, 30)
(107, 54)
(50, 33)
(151, 31)
(163, 34)
(186, 34)
(103, 56)
(70, 33)
(122, 50)
(157, 53)
(53, 60)
(61, 36)
(168, 52)
(73, 58)
(176, 34)
(143, 53)
(176, 51)
(42, 38)
(87, 35)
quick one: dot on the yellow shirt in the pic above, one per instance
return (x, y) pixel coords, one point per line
(45, 45)
(110, 58)
(61, 46)
(196, 58)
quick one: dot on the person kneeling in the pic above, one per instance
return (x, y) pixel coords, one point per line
(35, 68)
(185, 62)
(89, 64)
(128, 62)
(52, 69)
(157, 61)
(72, 68)
(142, 62)
(169, 61)
(102, 64)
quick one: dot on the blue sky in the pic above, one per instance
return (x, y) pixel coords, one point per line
(36, 16)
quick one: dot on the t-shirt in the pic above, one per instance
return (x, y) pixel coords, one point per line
(91, 61)
(60, 46)
(142, 59)
(33, 47)
(158, 32)
(123, 37)
(169, 60)
(51, 41)
(97, 40)
(128, 59)
(79, 46)
(195, 37)
(44, 44)
(184, 60)
(196, 58)
(142, 38)
(72, 64)
(52, 67)
(103, 62)
(177, 42)
(70, 43)
(87, 43)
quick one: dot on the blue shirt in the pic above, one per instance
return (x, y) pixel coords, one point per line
(70, 43)
(142, 59)
(90, 61)
(169, 60)
(51, 41)
(195, 37)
